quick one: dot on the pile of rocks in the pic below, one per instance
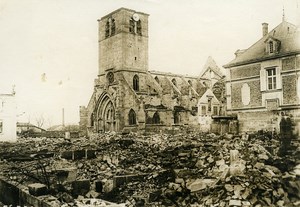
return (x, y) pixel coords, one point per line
(193, 169)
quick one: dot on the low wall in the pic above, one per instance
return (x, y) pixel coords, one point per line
(18, 195)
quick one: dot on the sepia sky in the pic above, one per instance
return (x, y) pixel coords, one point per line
(49, 51)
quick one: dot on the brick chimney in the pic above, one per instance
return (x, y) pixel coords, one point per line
(265, 29)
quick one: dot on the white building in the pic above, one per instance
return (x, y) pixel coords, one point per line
(8, 118)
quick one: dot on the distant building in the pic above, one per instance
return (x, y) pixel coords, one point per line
(23, 127)
(127, 96)
(8, 118)
(264, 80)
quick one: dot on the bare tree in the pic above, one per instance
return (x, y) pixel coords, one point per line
(40, 120)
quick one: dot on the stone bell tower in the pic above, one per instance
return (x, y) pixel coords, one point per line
(123, 42)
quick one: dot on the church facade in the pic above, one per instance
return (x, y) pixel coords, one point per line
(127, 96)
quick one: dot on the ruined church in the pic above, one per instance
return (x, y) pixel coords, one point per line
(129, 97)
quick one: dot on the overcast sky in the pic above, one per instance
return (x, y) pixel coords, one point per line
(58, 38)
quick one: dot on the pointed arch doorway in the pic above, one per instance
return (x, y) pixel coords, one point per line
(106, 119)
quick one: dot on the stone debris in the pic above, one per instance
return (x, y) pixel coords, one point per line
(37, 189)
(192, 169)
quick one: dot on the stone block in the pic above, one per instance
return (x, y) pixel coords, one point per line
(37, 189)
(66, 174)
(235, 203)
(80, 187)
(201, 184)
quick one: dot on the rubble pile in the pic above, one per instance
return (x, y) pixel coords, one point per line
(193, 169)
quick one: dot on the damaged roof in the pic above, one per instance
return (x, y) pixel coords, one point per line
(289, 36)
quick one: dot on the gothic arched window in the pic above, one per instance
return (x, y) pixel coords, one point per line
(136, 83)
(157, 79)
(174, 82)
(156, 118)
(131, 26)
(139, 27)
(107, 29)
(131, 117)
(113, 27)
(176, 117)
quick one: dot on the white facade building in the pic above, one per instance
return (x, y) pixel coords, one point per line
(8, 118)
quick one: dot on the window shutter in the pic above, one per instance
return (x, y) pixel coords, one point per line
(278, 78)
(263, 80)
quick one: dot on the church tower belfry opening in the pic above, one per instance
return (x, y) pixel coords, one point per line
(123, 41)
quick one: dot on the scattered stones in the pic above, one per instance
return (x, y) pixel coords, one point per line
(159, 170)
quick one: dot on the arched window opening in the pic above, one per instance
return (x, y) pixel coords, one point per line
(110, 27)
(131, 117)
(135, 26)
(156, 79)
(92, 119)
(156, 118)
(136, 83)
(190, 82)
(110, 77)
(176, 117)
(131, 26)
(113, 27)
(139, 27)
(107, 29)
(174, 82)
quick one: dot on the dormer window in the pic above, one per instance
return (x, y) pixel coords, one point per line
(271, 47)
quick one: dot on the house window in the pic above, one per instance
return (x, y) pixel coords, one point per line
(271, 47)
(156, 118)
(131, 117)
(215, 110)
(203, 110)
(136, 83)
(271, 78)
(209, 105)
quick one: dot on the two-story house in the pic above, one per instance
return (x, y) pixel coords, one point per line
(263, 81)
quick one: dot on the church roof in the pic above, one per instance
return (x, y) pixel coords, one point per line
(211, 65)
(286, 33)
